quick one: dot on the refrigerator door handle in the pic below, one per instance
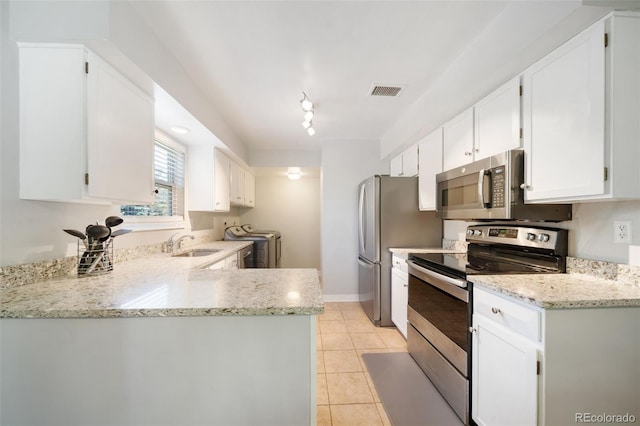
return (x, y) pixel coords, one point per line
(364, 264)
(361, 229)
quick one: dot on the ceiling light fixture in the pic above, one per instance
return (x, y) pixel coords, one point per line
(179, 130)
(307, 107)
(293, 173)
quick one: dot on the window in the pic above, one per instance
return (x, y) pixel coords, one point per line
(169, 182)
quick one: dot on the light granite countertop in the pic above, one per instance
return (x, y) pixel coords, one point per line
(161, 285)
(558, 291)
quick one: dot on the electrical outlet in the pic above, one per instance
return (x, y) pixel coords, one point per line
(622, 231)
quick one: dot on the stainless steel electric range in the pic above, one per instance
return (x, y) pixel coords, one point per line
(440, 295)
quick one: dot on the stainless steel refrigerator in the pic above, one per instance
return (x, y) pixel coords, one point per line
(388, 217)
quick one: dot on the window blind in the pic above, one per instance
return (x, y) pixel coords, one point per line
(169, 184)
(169, 177)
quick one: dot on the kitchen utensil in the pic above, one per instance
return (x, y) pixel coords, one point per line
(115, 234)
(97, 231)
(75, 233)
(78, 234)
(120, 232)
(113, 221)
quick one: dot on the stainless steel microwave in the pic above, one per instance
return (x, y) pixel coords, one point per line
(492, 189)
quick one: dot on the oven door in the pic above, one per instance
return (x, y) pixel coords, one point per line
(441, 312)
(438, 333)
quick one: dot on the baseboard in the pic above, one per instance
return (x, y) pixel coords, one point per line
(341, 297)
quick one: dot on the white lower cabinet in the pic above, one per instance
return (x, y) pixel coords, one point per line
(399, 294)
(534, 366)
(504, 369)
(229, 262)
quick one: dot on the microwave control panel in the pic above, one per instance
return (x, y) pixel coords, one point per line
(497, 187)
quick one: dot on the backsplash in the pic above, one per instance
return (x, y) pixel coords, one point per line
(17, 275)
(457, 245)
(620, 273)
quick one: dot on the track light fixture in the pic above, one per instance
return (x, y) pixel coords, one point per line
(307, 107)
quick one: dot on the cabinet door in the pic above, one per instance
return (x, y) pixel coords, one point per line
(458, 140)
(52, 122)
(504, 376)
(231, 262)
(497, 121)
(430, 162)
(395, 166)
(236, 193)
(119, 136)
(563, 114)
(221, 182)
(410, 161)
(201, 178)
(249, 189)
(399, 299)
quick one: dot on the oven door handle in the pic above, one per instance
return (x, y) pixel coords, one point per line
(453, 286)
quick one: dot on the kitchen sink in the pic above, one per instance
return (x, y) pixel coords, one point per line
(197, 252)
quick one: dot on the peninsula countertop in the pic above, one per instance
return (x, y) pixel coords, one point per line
(161, 285)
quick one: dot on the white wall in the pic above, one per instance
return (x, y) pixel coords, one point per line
(293, 208)
(345, 163)
(591, 231)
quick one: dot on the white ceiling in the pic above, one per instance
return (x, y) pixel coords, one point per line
(253, 59)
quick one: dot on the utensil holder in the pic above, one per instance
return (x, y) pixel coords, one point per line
(95, 258)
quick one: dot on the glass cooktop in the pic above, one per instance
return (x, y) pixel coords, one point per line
(450, 263)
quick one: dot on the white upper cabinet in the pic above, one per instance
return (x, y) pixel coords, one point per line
(208, 179)
(458, 140)
(249, 190)
(430, 162)
(395, 166)
(406, 163)
(581, 105)
(564, 119)
(216, 182)
(236, 192)
(497, 121)
(222, 182)
(86, 131)
(242, 192)
(488, 128)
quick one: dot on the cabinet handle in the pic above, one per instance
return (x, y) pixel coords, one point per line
(495, 310)
(524, 186)
(468, 153)
(472, 330)
(476, 150)
(405, 285)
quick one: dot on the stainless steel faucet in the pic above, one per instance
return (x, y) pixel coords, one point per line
(178, 243)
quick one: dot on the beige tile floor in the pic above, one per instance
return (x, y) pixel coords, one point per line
(346, 394)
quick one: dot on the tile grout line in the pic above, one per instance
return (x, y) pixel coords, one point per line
(349, 325)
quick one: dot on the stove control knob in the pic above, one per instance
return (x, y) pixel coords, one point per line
(531, 236)
(543, 238)
(477, 232)
(469, 231)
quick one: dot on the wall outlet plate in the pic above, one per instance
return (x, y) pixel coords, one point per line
(622, 231)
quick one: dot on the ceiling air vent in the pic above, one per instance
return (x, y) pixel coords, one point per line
(385, 90)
